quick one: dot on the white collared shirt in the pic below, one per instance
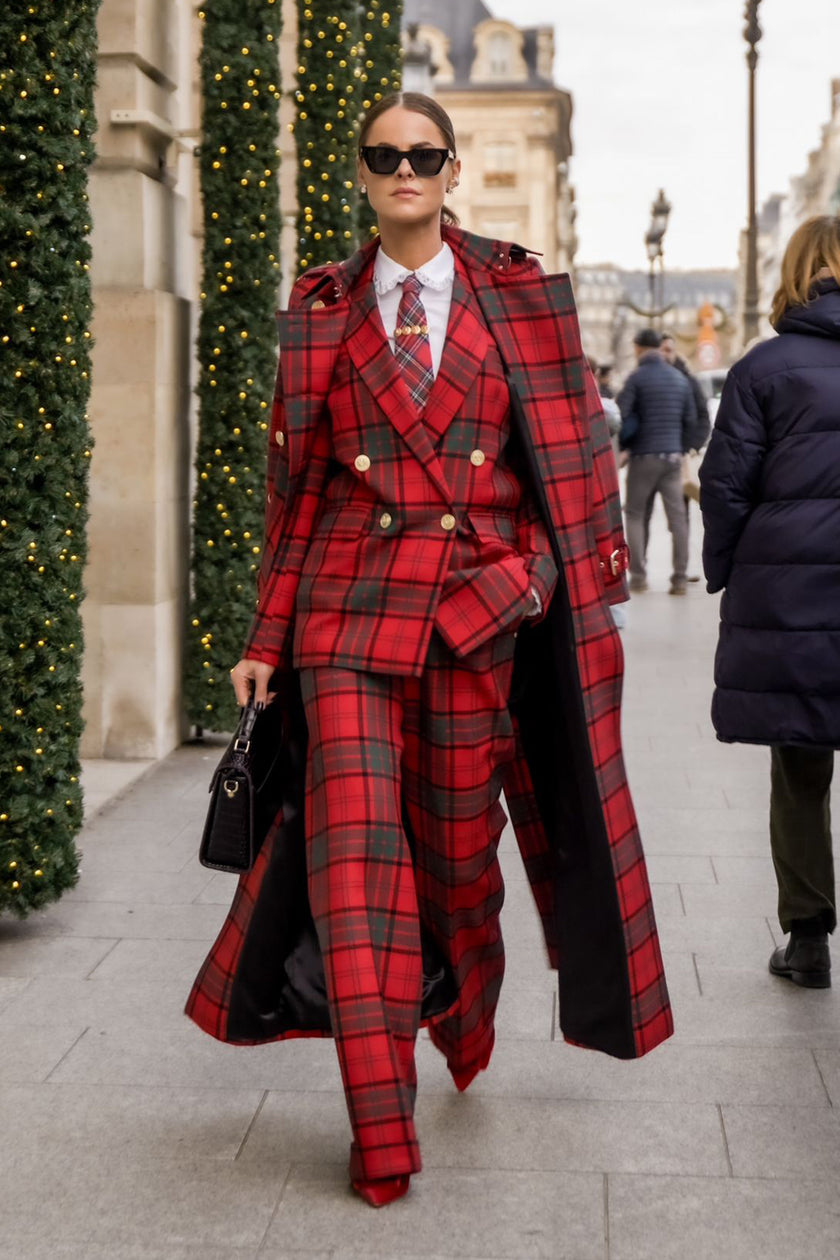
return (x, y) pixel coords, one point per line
(437, 278)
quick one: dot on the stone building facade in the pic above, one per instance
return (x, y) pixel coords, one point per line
(613, 304)
(144, 268)
(146, 279)
(815, 191)
(512, 122)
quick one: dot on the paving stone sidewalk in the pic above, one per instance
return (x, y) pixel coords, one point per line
(129, 1135)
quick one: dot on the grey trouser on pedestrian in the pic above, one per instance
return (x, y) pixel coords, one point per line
(648, 475)
(649, 514)
(800, 833)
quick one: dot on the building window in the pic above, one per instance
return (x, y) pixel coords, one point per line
(500, 165)
(500, 55)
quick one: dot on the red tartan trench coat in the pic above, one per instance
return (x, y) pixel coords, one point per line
(566, 790)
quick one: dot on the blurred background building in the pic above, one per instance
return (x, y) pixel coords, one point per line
(815, 191)
(696, 306)
(513, 123)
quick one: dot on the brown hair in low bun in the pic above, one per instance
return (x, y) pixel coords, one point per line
(418, 104)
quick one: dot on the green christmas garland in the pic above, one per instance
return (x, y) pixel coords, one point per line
(46, 125)
(349, 55)
(381, 74)
(236, 340)
(327, 94)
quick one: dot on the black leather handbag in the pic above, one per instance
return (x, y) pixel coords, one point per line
(246, 792)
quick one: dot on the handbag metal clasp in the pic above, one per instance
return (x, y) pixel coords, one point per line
(238, 746)
(231, 787)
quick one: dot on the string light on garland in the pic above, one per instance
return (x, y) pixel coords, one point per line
(239, 163)
(46, 104)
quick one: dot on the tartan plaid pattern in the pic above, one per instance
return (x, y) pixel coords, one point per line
(540, 343)
(413, 350)
(535, 330)
(433, 747)
(370, 597)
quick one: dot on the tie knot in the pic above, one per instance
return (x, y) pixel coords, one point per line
(412, 285)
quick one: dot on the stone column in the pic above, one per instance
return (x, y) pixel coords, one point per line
(144, 267)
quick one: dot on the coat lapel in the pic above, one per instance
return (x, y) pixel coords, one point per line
(368, 347)
(465, 349)
(309, 342)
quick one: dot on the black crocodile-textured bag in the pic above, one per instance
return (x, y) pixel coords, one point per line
(245, 792)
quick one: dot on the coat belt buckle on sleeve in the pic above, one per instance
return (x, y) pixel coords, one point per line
(618, 562)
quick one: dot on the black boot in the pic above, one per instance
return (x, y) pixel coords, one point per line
(805, 959)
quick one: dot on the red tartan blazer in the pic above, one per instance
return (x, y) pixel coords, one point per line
(567, 789)
(422, 525)
(340, 395)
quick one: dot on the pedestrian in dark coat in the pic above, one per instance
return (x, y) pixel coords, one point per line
(703, 425)
(697, 440)
(770, 497)
(443, 539)
(658, 423)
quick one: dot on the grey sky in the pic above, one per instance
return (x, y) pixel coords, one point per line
(660, 93)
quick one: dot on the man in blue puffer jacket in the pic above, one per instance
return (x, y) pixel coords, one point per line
(659, 418)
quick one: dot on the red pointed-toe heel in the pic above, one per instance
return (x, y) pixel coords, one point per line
(464, 1077)
(383, 1190)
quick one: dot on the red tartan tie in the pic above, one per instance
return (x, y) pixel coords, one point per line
(412, 347)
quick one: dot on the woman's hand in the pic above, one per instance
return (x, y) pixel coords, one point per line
(252, 677)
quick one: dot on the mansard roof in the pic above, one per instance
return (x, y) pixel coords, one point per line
(458, 20)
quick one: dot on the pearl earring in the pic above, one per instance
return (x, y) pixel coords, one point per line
(363, 189)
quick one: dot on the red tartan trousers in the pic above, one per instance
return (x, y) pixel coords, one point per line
(403, 821)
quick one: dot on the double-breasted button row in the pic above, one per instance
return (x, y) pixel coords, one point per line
(447, 521)
(361, 463)
(280, 437)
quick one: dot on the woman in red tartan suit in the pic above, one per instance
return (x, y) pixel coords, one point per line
(440, 479)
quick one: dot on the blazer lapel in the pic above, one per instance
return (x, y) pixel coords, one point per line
(368, 347)
(465, 350)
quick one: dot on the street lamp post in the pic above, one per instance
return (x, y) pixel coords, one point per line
(752, 34)
(653, 247)
(659, 212)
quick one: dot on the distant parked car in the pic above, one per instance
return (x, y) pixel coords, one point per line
(711, 382)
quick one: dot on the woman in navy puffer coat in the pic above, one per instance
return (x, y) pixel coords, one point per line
(770, 497)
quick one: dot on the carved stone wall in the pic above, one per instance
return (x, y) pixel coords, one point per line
(144, 283)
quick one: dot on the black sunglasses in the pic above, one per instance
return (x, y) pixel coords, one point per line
(381, 159)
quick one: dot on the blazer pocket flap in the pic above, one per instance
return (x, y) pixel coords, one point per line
(500, 526)
(347, 520)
